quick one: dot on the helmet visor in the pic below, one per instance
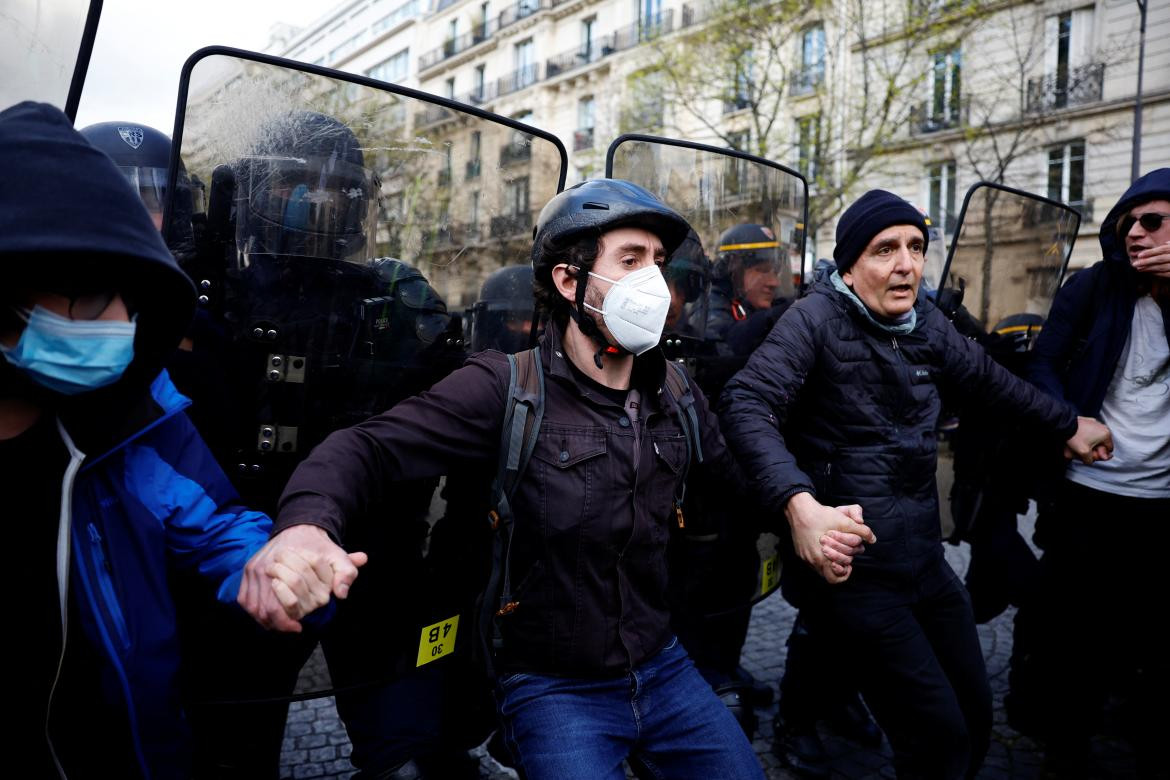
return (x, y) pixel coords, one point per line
(151, 186)
(310, 206)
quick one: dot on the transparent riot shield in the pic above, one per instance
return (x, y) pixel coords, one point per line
(1008, 258)
(1003, 270)
(349, 225)
(44, 51)
(748, 216)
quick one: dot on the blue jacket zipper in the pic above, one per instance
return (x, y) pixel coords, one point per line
(106, 586)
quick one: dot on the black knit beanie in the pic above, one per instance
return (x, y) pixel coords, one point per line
(869, 215)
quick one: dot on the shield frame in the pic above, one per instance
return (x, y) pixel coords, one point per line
(946, 271)
(724, 152)
(336, 75)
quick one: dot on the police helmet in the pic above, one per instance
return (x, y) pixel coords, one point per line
(502, 316)
(143, 155)
(1016, 332)
(745, 246)
(305, 191)
(594, 207)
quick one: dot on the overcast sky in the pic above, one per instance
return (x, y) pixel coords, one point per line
(141, 46)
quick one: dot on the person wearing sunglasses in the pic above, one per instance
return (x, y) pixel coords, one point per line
(1105, 349)
(106, 489)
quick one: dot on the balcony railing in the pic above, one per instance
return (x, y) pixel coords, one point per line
(620, 40)
(432, 115)
(515, 152)
(579, 57)
(511, 224)
(452, 46)
(482, 95)
(518, 79)
(926, 118)
(521, 10)
(473, 169)
(583, 139)
(806, 80)
(1066, 88)
(696, 13)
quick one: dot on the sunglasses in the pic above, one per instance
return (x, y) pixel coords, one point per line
(1149, 222)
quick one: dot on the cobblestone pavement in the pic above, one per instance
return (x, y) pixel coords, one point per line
(316, 745)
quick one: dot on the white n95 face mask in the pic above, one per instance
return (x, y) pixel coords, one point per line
(635, 308)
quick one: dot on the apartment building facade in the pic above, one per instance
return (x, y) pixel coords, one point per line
(1038, 94)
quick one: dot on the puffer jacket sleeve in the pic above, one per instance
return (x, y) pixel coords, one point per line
(755, 404)
(177, 479)
(975, 375)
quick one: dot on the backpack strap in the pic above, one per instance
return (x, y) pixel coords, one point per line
(522, 416)
(678, 388)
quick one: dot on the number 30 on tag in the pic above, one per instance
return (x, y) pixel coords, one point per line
(438, 640)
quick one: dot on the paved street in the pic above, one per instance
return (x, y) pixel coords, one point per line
(316, 745)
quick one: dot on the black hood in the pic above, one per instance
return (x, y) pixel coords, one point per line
(1155, 185)
(64, 206)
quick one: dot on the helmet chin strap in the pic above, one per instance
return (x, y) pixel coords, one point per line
(588, 325)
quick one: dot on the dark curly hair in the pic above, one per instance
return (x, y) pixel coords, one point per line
(581, 253)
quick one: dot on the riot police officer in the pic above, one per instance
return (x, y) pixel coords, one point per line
(746, 281)
(315, 336)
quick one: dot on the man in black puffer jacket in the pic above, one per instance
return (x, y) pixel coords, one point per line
(838, 407)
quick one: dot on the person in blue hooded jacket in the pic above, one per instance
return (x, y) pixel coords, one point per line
(1106, 350)
(107, 489)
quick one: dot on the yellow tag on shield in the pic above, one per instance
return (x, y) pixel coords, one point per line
(438, 640)
(770, 575)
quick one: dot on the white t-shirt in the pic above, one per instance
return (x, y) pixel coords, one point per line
(1137, 411)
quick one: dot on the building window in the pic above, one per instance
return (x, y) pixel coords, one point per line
(946, 84)
(478, 84)
(473, 213)
(736, 169)
(1069, 76)
(1066, 174)
(480, 32)
(651, 13)
(525, 59)
(398, 15)
(583, 137)
(516, 197)
(812, 61)
(645, 110)
(741, 82)
(449, 88)
(808, 134)
(941, 196)
(392, 70)
(345, 47)
(474, 166)
(445, 171)
(588, 29)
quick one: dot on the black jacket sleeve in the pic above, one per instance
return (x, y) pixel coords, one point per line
(456, 422)
(981, 380)
(756, 403)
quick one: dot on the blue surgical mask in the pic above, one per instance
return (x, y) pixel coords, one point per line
(72, 356)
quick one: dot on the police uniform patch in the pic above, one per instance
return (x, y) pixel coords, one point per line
(133, 136)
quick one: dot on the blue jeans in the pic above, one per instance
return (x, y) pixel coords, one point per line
(663, 713)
